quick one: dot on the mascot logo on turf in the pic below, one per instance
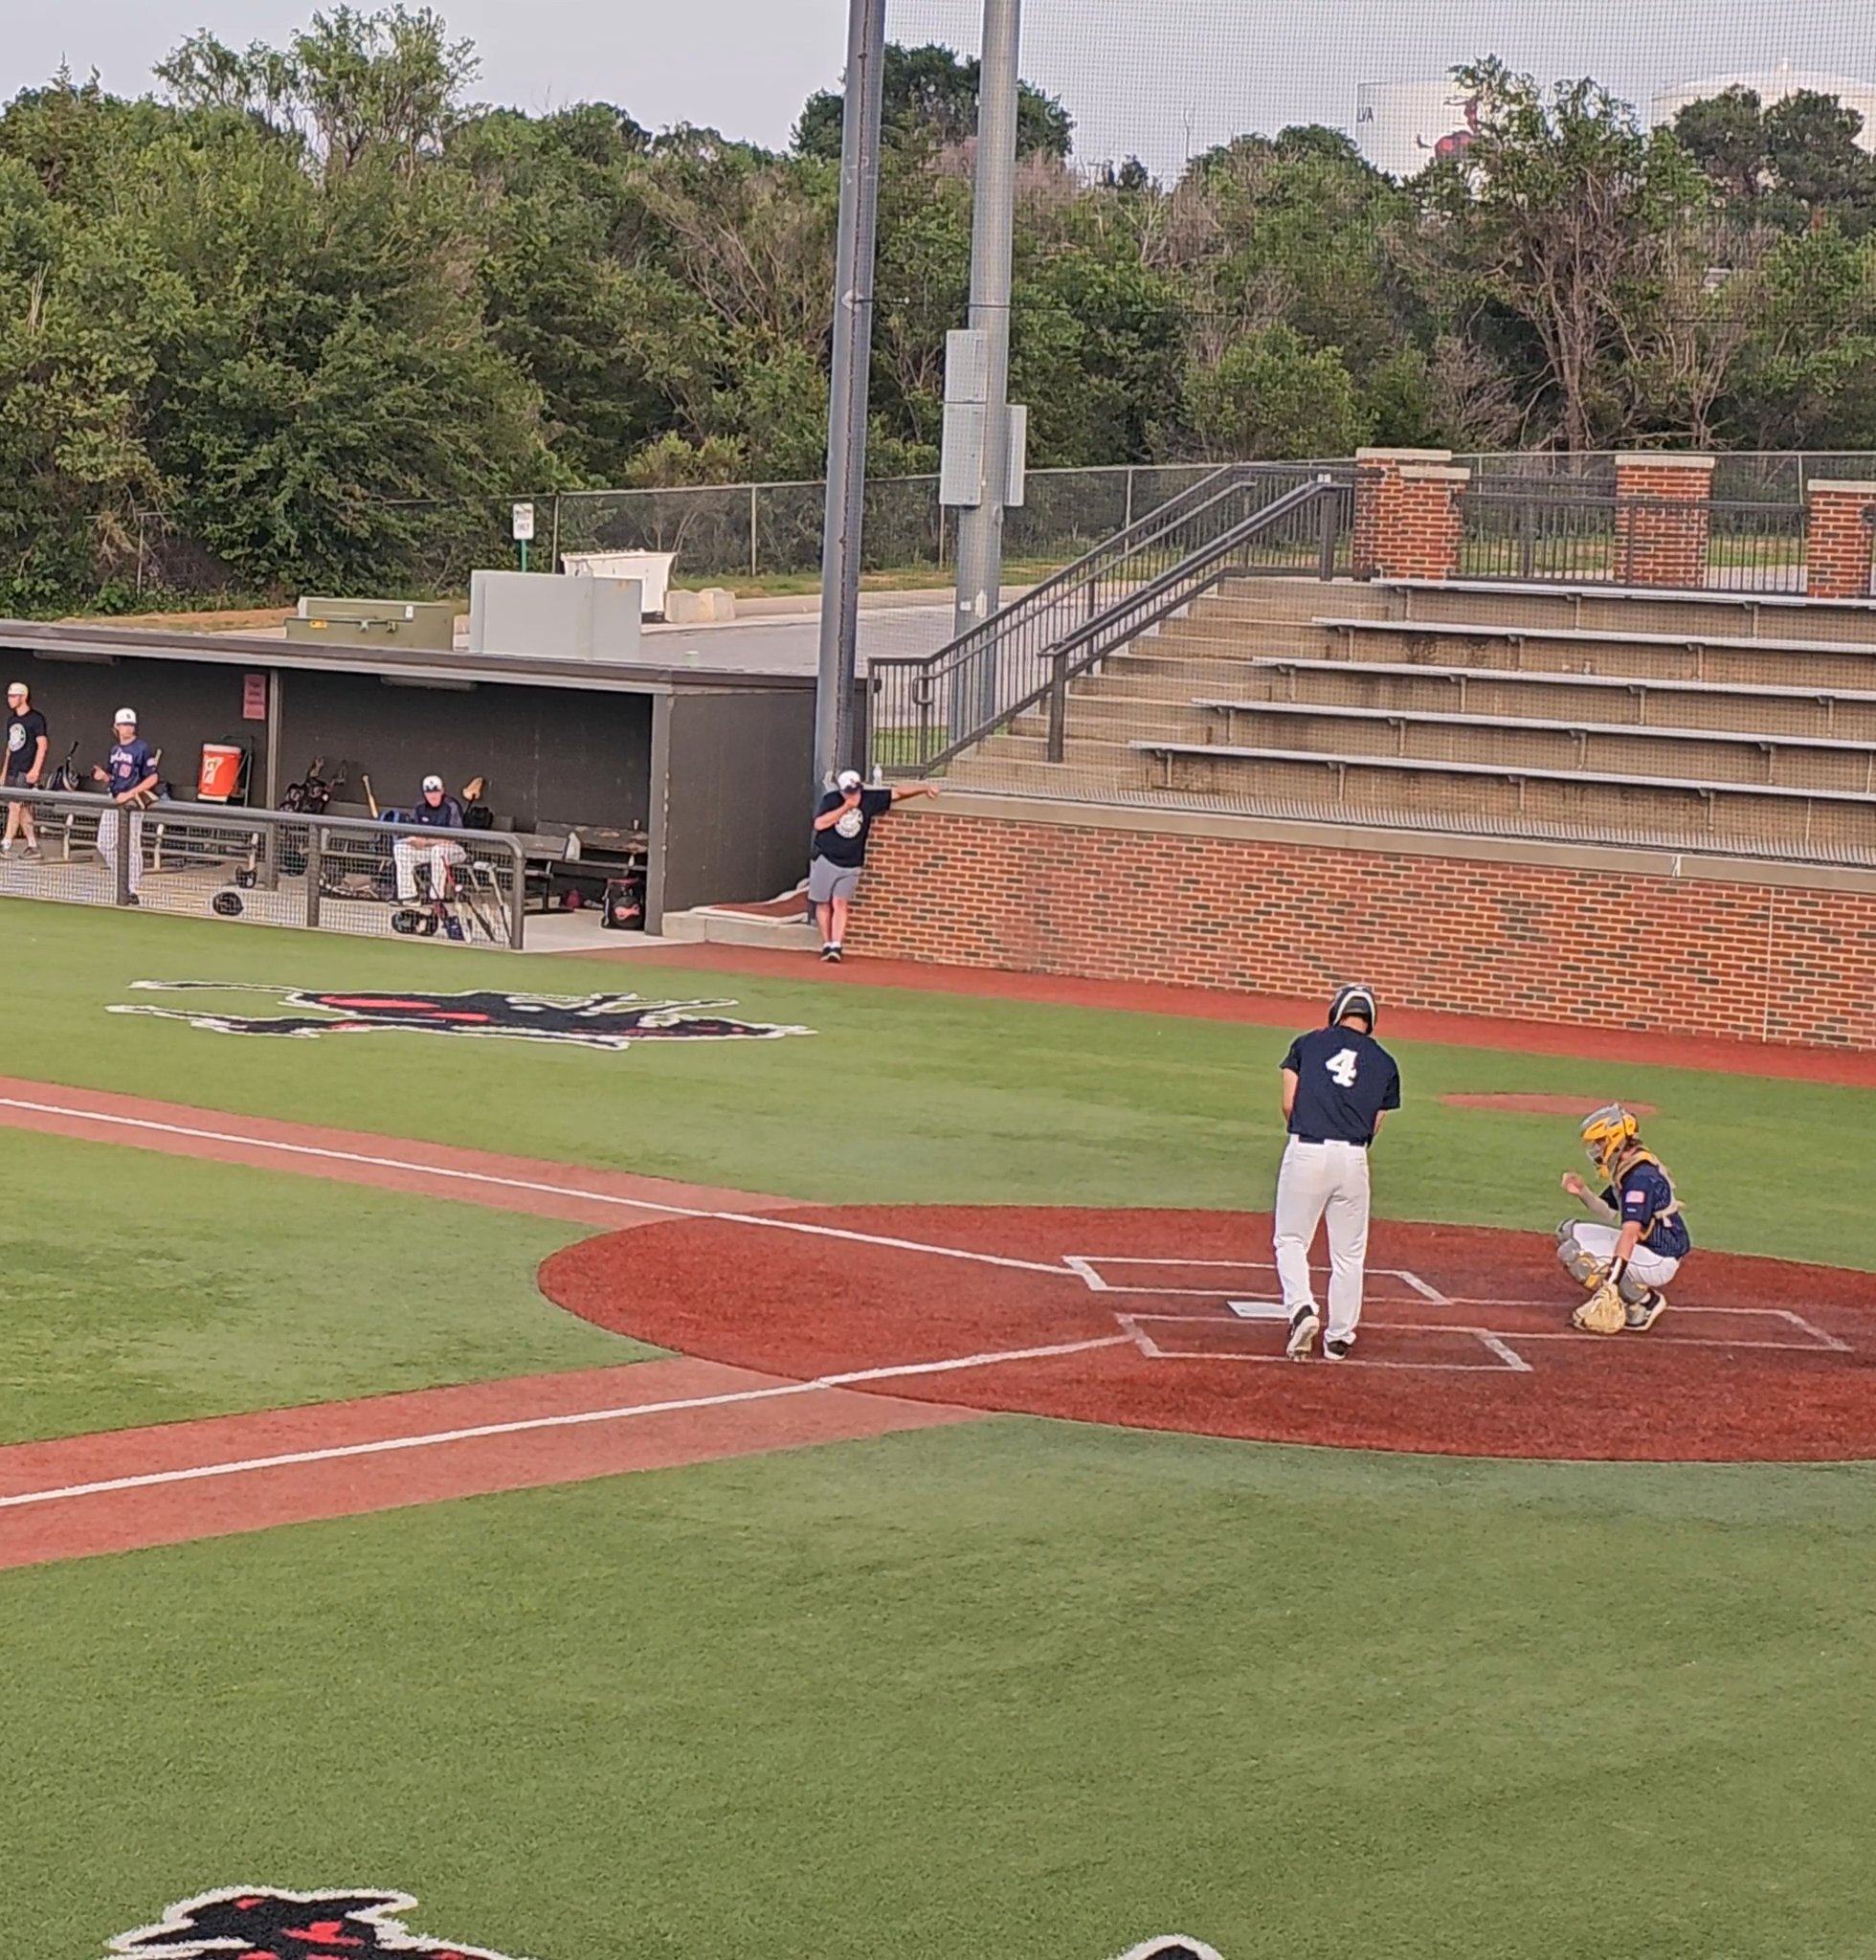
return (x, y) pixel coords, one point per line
(258, 1922)
(574, 1020)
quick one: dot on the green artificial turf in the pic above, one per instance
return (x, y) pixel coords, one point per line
(1018, 1689)
(903, 1096)
(142, 1288)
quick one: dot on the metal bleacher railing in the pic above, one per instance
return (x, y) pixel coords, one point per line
(1553, 532)
(265, 866)
(1242, 521)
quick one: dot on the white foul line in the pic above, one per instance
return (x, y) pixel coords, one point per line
(559, 1191)
(197, 1473)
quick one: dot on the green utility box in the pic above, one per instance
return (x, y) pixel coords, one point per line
(428, 626)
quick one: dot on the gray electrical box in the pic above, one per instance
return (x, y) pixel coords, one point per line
(963, 472)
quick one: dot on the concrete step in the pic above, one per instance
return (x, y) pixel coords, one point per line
(714, 926)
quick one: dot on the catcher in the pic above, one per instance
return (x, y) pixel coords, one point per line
(1640, 1239)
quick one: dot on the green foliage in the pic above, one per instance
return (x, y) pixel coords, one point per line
(1272, 396)
(929, 100)
(310, 315)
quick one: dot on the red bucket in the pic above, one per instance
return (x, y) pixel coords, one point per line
(220, 777)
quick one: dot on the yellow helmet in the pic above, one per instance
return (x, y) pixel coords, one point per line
(1606, 1135)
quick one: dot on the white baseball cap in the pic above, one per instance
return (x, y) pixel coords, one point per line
(124, 718)
(848, 779)
(17, 687)
(431, 783)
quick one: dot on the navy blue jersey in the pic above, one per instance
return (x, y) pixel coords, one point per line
(1647, 1198)
(131, 763)
(446, 815)
(1343, 1079)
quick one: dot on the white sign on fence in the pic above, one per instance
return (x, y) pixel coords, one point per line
(524, 524)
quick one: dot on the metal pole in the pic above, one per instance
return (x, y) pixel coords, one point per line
(848, 395)
(993, 224)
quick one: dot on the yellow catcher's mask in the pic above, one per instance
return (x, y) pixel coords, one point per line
(1606, 1135)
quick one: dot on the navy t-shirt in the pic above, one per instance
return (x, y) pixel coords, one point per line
(131, 763)
(446, 815)
(1343, 1079)
(844, 843)
(1646, 1196)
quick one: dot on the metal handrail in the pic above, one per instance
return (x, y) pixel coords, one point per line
(1076, 646)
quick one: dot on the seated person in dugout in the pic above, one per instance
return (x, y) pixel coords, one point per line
(436, 810)
(1636, 1246)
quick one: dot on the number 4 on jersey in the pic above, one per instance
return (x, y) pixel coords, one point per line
(1342, 1068)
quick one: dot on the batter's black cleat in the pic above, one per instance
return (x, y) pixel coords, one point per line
(1305, 1324)
(1337, 1350)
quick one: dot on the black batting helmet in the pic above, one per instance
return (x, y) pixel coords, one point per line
(1353, 1000)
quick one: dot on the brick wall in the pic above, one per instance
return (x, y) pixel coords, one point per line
(1664, 518)
(1541, 941)
(1838, 550)
(1407, 513)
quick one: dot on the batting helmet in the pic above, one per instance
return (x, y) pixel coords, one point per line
(1353, 1000)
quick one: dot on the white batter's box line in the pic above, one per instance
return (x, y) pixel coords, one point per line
(1820, 1340)
(1506, 1359)
(1088, 1265)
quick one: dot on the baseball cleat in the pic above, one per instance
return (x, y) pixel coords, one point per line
(1338, 1350)
(1642, 1314)
(1305, 1324)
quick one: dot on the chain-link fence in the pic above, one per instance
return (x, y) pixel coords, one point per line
(339, 874)
(738, 533)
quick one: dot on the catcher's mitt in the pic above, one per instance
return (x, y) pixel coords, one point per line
(1603, 1312)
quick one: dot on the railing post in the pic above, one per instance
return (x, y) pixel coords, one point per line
(1058, 705)
(753, 523)
(517, 895)
(1329, 529)
(1527, 508)
(315, 870)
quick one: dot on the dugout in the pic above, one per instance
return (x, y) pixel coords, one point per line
(716, 767)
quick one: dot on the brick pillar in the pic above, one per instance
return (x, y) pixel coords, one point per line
(1663, 519)
(1407, 513)
(1841, 547)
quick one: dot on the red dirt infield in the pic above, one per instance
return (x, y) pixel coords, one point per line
(1465, 1346)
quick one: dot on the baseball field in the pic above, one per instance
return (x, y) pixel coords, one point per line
(789, 1465)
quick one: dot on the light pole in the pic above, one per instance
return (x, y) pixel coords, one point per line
(848, 395)
(992, 225)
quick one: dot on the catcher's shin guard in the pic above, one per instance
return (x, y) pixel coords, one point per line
(1583, 1265)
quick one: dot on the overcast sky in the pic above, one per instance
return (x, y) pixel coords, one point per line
(1156, 77)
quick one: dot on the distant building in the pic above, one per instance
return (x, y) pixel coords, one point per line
(1773, 85)
(1402, 126)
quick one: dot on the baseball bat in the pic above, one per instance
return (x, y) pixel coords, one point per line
(370, 801)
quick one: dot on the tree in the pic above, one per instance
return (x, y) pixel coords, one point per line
(349, 83)
(1555, 216)
(1797, 164)
(930, 101)
(1271, 398)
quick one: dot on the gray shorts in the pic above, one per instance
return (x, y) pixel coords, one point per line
(828, 881)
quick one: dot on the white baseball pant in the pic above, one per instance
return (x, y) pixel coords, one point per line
(406, 854)
(108, 844)
(1321, 1181)
(1651, 1268)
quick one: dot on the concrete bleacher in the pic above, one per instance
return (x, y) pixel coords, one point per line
(1720, 718)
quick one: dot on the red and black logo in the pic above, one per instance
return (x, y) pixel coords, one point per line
(256, 1923)
(580, 1020)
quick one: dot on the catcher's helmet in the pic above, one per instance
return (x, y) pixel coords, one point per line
(1606, 1134)
(1353, 1000)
